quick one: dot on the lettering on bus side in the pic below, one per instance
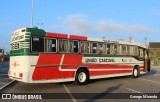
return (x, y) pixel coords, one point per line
(106, 60)
(87, 60)
(17, 38)
(91, 60)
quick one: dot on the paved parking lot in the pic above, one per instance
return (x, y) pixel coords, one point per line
(4, 74)
(95, 91)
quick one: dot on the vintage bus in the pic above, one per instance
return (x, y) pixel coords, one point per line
(37, 56)
(1, 55)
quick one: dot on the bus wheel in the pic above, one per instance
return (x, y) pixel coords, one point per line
(136, 72)
(82, 77)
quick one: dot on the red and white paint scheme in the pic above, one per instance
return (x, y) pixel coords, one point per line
(51, 65)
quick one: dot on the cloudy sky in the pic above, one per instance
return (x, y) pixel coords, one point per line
(112, 19)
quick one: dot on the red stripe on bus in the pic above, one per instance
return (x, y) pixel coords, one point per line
(76, 37)
(56, 35)
(141, 66)
(74, 60)
(47, 72)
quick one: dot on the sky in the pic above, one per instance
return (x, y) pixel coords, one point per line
(109, 19)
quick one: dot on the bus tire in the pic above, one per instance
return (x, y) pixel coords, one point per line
(82, 77)
(136, 72)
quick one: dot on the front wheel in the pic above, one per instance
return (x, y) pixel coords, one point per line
(82, 77)
(136, 72)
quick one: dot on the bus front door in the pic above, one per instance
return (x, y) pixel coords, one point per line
(147, 65)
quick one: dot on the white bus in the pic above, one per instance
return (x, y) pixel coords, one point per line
(37, 56)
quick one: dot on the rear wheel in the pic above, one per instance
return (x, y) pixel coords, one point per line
(136, 72)
(82, 77)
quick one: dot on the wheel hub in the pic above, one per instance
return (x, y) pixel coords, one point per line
(135, 72)
(82, 77)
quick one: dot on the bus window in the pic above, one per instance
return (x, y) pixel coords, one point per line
(84, 46)
(101, 48)
(120, 49)
(112, 49)
(37, 44)
(124, 50)
(63, 45)
(51, 45)
(135, 50)
(145, 54)
(108, 49)
(130, 50)
(93, 46)
(141, 52)
(73, 46)
(117, 49)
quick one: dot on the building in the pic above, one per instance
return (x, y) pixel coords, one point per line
(155, 52)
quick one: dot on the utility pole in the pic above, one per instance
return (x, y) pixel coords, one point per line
(103, 38)
(32, 13)
(130, 39)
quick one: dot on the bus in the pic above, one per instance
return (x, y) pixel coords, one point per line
(37, 56)
(1, 55)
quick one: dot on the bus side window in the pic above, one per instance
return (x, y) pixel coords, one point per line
(51, 45)
(116, 50)
(124, 50)
(37, 44)
(84, 47)
(112, 49)
(74, 46)
(131, 50)
(101, 48)
(87, 47)
(108, 49)
(136, 50)
(145, 53)
(93, 47)
(141, 53)
(63, 45)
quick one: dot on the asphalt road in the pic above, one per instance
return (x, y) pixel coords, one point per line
(4, 66)
(95, 91)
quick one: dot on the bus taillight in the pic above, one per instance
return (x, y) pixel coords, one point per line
(21, 75)
(23, 30)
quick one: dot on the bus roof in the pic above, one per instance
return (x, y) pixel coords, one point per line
(39, 32)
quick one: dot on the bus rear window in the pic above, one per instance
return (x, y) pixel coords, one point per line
(37, 44)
